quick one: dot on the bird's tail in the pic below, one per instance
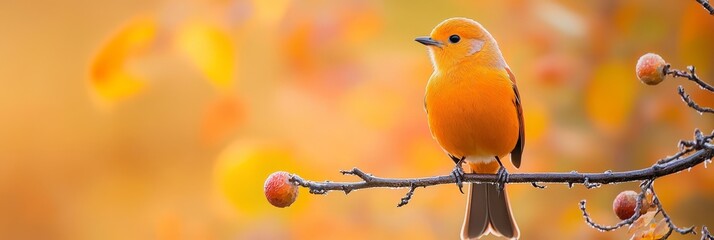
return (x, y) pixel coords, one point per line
(488, 211)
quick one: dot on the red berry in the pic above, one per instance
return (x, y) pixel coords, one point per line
(650, 69)
(624, 204)
(279, 190)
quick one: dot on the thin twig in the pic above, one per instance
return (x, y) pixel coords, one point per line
(646, 184)
(691, 75)
(660, 208)
(700, 142)
(407, 197)
(691, 103)
(647, 187)
(707, 6)
(705, 234)
(675, 156)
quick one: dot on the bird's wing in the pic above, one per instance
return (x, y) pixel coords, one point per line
(518, 149)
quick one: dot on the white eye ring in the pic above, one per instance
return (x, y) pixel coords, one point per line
(476, 46)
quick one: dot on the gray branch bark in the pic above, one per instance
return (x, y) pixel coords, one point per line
(655, 171)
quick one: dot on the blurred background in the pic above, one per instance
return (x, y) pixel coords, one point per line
(162, 119)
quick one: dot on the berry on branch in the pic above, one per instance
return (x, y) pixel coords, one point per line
(650, 69)
(624, 204)
(279, 191)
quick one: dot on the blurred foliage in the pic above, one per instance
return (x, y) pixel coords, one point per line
(109, 76)
(161, 119)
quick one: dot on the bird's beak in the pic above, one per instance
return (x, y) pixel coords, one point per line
(428, 41)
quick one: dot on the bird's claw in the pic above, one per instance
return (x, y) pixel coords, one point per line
(502, 178)
(458, 174)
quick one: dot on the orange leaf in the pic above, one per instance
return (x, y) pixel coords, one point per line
(108, 75)
(643, 234)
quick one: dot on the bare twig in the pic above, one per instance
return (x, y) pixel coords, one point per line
(687, 146)
(645, 185)
(666, 217)
(675, 156)
(707, 6)
(700, 141)
(369, 181)
(691, 103)
(705, 234)
(691, 75)
(407, 197)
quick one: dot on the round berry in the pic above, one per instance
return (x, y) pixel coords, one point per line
(624, 204)
(279, 191)
(650, 69)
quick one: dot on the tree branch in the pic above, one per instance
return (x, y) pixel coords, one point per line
(702, 149)
(692, 153)
(707, 6)
(655, 171)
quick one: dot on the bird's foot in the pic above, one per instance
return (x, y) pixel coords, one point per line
(502, 176)
(458, 173)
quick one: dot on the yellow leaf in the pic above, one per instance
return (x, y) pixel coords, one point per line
(211, 50)
(241, 171)
(118, 84)
(610, 96)
(108, 75)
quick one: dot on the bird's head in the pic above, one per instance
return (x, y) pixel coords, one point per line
(461, 39)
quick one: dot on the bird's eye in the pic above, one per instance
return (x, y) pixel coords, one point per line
(454, 38)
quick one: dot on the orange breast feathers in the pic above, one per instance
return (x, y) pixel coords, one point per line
(472, 113)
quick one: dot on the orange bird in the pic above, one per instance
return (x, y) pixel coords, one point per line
(474, 113)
